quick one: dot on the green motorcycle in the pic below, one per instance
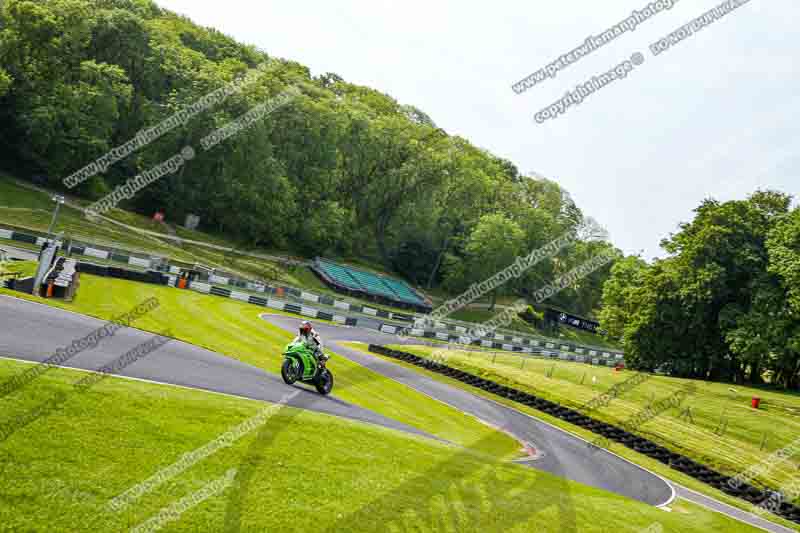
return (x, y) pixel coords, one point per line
(300, 364)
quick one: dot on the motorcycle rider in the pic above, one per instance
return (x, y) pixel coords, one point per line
(311, 339)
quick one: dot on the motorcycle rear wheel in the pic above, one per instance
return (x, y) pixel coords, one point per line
(324, 382)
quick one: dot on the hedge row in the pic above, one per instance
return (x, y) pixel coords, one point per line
(674, 460)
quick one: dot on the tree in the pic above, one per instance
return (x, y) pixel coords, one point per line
(343, 170)
(783, 317)
(493, 245)
(784, 254)
(627, 276)
(5, 81)
(719, 308)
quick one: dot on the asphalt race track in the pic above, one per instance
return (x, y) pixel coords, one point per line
(32, 332)
(559, 452)
(563, 454)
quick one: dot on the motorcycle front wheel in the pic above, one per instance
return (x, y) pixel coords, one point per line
(290, 371)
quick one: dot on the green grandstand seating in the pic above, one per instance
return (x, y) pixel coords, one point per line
(340, 274)
(371, 283)
(403, 291)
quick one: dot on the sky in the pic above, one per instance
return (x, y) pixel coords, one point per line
(713, 116)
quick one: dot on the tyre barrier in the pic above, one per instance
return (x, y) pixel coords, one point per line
(676, 461)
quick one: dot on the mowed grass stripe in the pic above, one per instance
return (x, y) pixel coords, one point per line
(234, 329)
(731, 451)
(59, 473)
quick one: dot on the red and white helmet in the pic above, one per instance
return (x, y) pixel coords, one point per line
(305, 327)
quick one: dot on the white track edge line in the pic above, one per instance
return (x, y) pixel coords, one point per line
(227, 394)
(732, 507)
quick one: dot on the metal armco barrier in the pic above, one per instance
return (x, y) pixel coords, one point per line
(446, 329)
(141, 260)
(367, 322)
(458, 328)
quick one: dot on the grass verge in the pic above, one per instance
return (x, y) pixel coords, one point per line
(236, 330)
(557, 392)
(314, 473)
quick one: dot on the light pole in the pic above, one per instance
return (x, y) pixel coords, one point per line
(58, 199)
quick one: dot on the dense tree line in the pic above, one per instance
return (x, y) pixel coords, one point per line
(346, 171)
(725, 305)
(343, 170)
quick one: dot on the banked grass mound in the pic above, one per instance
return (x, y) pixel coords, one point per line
(723, 432)
(639, 444)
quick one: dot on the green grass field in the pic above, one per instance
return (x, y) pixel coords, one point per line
(567, 333)
(234, 329)
(643, 460)
(750, 435)
(23, 268)
(300, 471)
